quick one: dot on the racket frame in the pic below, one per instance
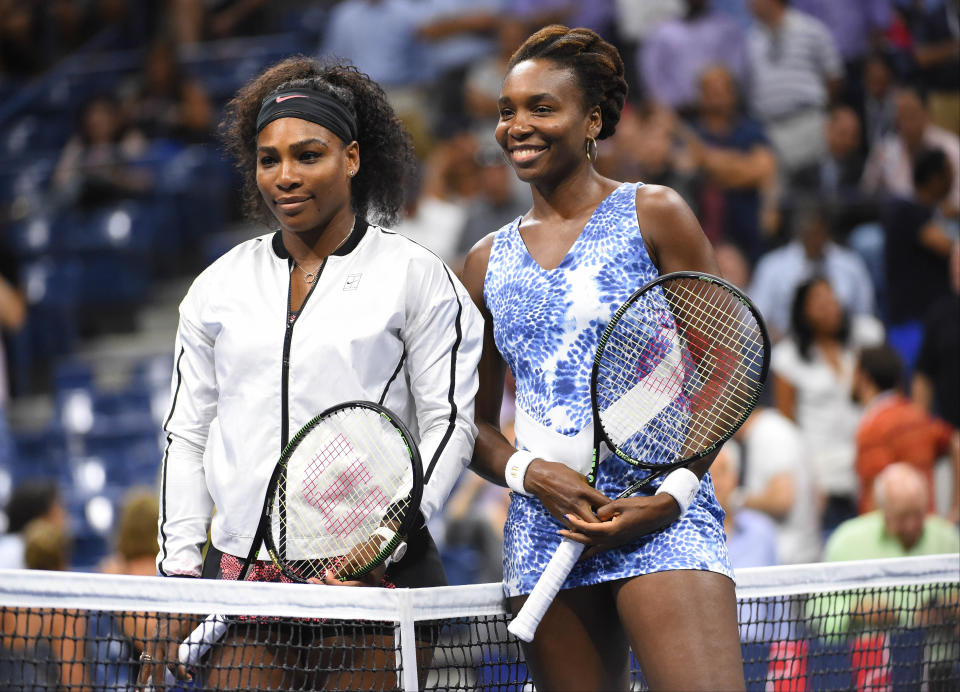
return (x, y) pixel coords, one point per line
(408, 518)
(661, 469)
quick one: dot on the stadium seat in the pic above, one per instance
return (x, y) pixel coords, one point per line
(113, 280)
(72, 373)
(36, 236)
(462, 564)
(41, 453)
(498, 674)
(31, 133)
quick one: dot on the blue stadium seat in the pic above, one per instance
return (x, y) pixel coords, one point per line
(50, 331)
(112, 279)
(497, 674)
(33, 133)
(462, 564)
(755, 663)
(71, 373)
(41, 453)
(829, 666)
(127, 227)
(152, 372)
(93, 517)
(37, 236)
(52, 282)
(136, 447)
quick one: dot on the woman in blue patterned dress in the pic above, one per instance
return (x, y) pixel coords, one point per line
(655, 576)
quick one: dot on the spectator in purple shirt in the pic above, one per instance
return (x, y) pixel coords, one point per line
(592, 14)
(674, 56)
(856, 25)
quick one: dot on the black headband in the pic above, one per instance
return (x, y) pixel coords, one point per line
(309, 105)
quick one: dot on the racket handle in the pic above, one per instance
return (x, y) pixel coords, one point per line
(524, 625)
(205, 635)
(192, 649)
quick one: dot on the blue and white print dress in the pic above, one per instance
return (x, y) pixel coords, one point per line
(546, 326)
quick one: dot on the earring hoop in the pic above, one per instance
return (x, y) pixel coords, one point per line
(592, 152)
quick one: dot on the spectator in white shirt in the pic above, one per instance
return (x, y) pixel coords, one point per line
(777, 479)
(811, 253)
(812, 378)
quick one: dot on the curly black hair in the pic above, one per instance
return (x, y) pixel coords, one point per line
(597, 64)
(385, 148)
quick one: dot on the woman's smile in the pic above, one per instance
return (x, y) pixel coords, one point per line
(526, 153)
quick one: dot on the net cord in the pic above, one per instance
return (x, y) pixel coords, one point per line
(91, 591)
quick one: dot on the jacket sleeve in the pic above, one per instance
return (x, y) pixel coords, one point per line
(443, 339)
(186, 506)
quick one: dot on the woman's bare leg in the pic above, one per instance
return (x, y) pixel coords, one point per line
(580, 644)
(682, 627)
(360, 661)
(241, 662)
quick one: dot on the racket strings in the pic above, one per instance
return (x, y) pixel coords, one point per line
(627, 339)
(734, 335)
(629, 335)
(348, 478)
(711, 354)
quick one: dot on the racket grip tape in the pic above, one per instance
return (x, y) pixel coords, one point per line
(194, 647)
(524, 625)
(198, 642)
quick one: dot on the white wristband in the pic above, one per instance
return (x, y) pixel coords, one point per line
(516, 469)
(682, 485)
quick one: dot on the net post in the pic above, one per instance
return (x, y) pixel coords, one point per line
(408, 642)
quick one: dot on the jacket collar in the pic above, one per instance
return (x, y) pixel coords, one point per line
(360, 226)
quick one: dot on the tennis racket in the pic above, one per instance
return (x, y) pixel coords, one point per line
(344, 494)
(342, 498)
(677, 370)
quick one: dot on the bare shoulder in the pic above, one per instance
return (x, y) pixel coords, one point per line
(671, 231)
(655, 201)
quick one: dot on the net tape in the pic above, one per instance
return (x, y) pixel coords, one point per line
(878, 624)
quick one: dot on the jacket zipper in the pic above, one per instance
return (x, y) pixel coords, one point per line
(285, 368)
(285, 390)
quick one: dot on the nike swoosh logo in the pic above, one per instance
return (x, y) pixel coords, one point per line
(281, 99)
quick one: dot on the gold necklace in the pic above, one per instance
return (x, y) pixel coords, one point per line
(310, 277)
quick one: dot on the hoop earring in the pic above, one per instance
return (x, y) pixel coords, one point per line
(591, 144)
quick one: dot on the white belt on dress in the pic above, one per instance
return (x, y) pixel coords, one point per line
(574, 451)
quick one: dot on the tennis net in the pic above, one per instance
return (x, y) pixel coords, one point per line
(872, 625)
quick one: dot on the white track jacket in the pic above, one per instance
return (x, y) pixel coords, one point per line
(386, 321)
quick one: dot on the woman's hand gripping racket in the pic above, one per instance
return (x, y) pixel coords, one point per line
(678, 369)
(342, 498)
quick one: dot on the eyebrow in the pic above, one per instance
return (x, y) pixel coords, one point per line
(543, 96)
(303, 143)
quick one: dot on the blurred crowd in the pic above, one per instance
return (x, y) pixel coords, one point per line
(816, 140)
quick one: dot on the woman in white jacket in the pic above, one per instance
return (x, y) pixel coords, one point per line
(326, 309)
